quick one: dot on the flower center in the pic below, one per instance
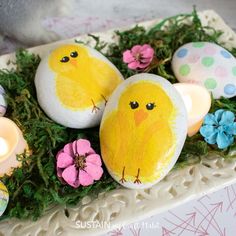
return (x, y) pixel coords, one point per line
(80, 162)
(137, 56)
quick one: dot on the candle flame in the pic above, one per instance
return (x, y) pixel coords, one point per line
(4, 148)
(188, 102)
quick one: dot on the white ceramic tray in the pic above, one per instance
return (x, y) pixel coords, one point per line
(94, 216)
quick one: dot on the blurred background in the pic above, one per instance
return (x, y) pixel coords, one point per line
(92, 16)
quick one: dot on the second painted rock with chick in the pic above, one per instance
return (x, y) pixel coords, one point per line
(143, 130)
(73, 83)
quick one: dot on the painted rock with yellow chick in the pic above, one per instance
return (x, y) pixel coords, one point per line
(4, 198)
(143, 130)
(73, 83)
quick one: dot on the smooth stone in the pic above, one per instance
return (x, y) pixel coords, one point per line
(143, 130)
(206, 64)
(4, 198)
(73, 83)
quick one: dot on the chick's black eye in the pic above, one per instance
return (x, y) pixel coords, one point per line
(65, 59)
(74, 54)
(150, 106)
(134, 105)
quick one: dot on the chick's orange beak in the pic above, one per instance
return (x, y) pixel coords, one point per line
(140, 116)
(73, 62)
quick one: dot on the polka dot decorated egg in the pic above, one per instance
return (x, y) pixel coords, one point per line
(4, 198)
(73, 83)
(206, 64)
(3, 104)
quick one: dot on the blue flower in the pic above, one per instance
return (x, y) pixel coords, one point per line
(219, 128)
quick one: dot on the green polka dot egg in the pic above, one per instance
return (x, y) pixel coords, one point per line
(4, 198)
(206, 64)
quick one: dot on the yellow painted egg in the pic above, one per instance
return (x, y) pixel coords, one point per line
(143, 130)
(4, 198)
(73, 83)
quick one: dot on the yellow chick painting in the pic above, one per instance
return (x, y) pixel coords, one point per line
(73, 84)
(143, 130)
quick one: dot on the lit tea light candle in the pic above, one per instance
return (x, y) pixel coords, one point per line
(11, 144)
(197, 101)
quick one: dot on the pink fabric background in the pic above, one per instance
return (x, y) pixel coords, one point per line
(213, 215)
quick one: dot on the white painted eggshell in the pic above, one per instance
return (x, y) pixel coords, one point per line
(143, 130)
(206, 64)
(73, 83)
(3, 104)
(4, 198)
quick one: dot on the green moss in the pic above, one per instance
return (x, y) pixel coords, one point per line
(35, 187)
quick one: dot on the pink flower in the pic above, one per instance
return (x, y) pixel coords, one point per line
(139, 57)
(78, 164)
